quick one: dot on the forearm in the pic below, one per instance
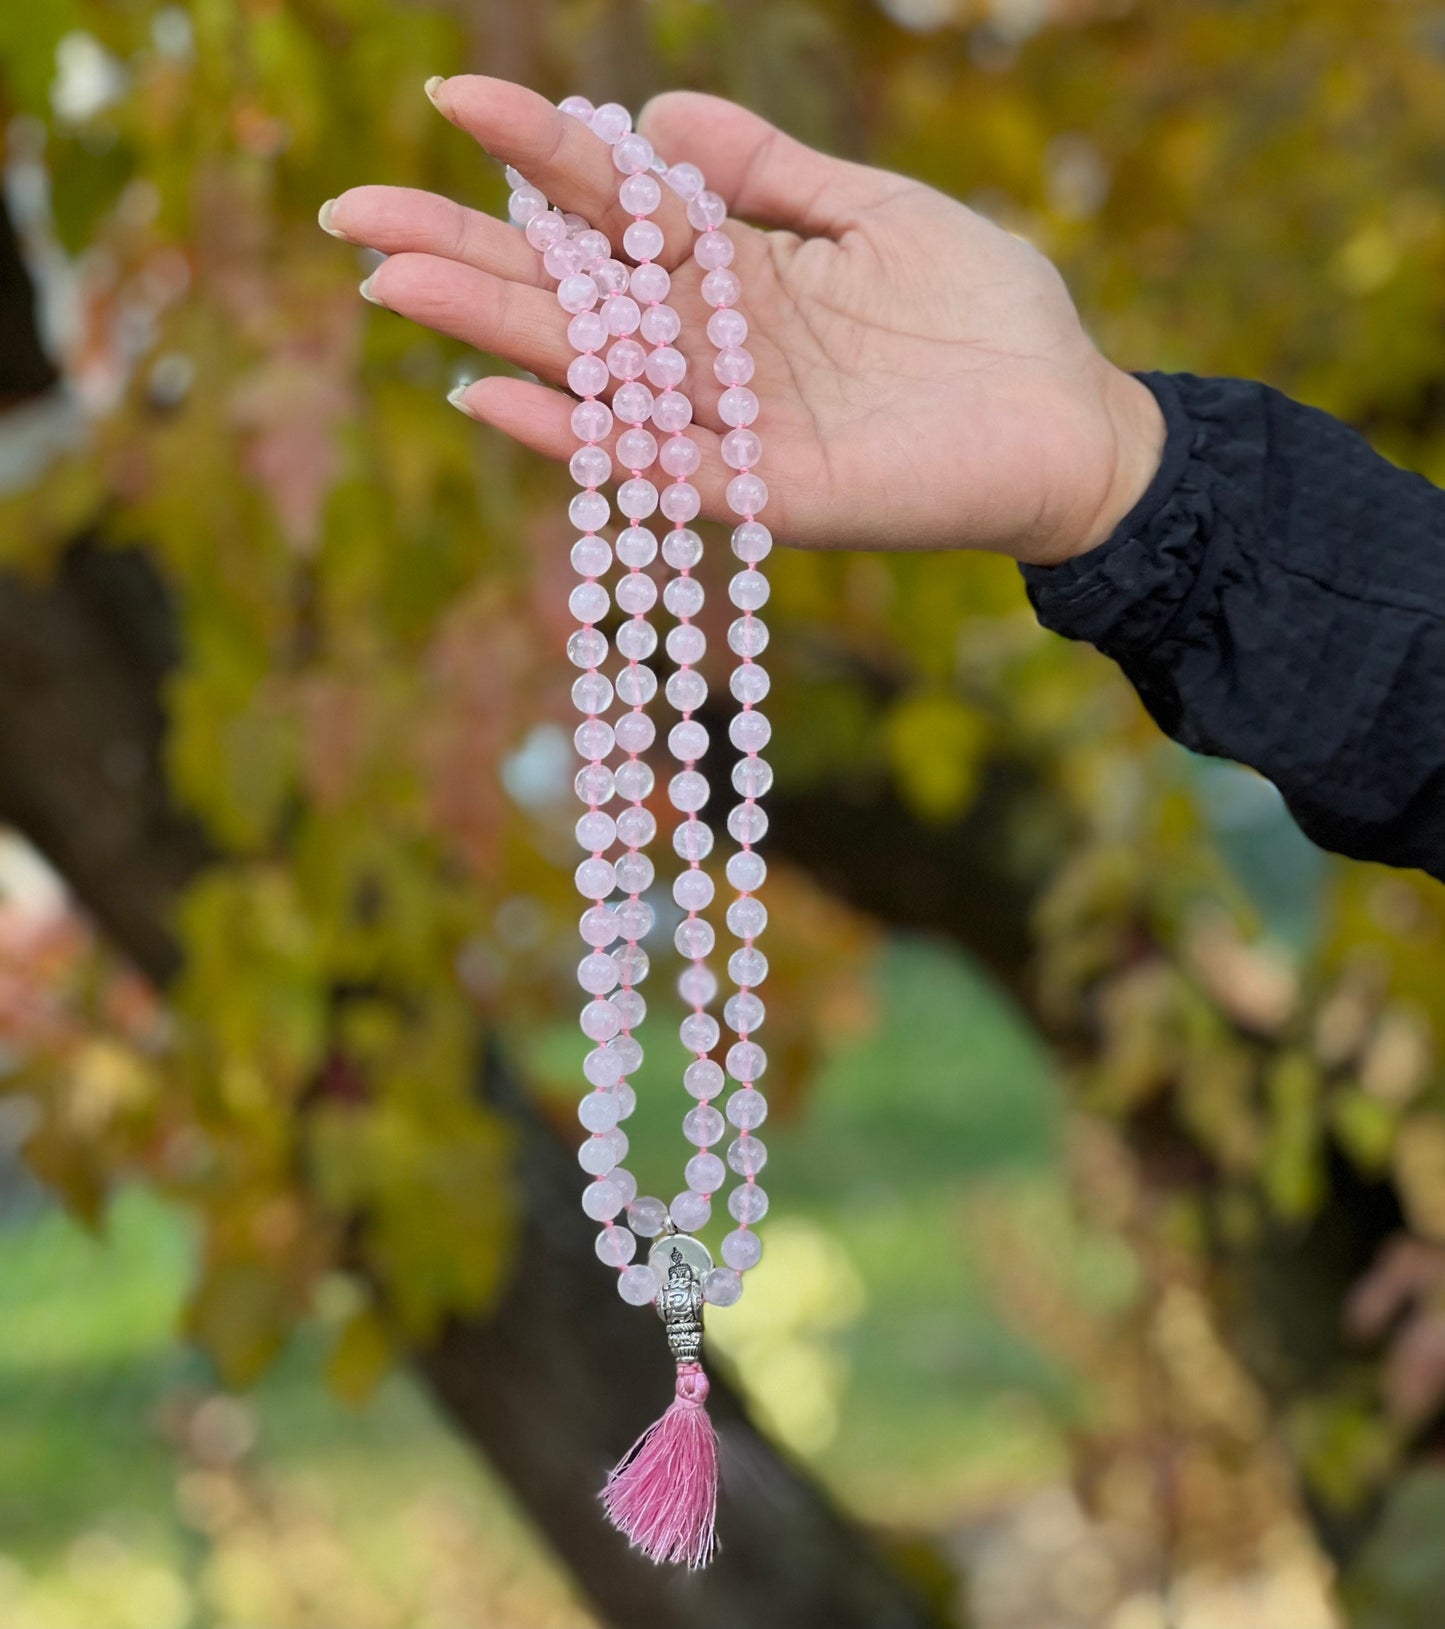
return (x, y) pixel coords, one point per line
(1278, 597)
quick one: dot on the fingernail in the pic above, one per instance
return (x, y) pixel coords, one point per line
(323, 220)
(432, 86)
(457, 397)
(366, 293)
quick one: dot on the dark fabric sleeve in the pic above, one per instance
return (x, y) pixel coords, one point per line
(1278, 597)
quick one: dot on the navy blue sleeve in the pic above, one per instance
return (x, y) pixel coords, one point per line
(1278, 597)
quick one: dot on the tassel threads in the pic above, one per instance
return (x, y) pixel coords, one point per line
(663, 1495)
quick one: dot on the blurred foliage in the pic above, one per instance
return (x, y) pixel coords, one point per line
(367, 716)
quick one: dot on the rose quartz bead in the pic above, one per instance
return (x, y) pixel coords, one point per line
(747, 1156)
(610, 276)
(704, 1079)
(615, 1246)
(693, 890)
(747, 823)
(721, 1287)
(683, 596)
(634, 781)
(577, 293)
(639, 194)
(591, 421)
(595, 879)
(666, 367)
(593, 246)
(588, 602)
(588, 648)
(741, 449)
(525, 204)
(706, 211)
(721, 287)
(726, 328)
(687, 690)
(744, 1012)
(687, 742)
(650, 283)
(622, 315)
(594, 737)
(546, 229)
(602, 1200)
(611, 121)
(681, 502)
(694, 938)
(749, 590)
(713, 250)
(747, 1109)
(602, 1066)
(563, 260)
(697, 985)
(733, 367)
(626, 359)
(576, 224)
(633, 403)
(682, 549)
(704, 1173)
(748, 967)
(588, 511)
(636, 641)
(578, 107)
(691, 1211)
(590, 466)
(747, 494)
(594, 784)
(597, 1156)
(591, 556)
(643, 240)
(625, 1095)
(685, 643)
(737, 407)
(747, 917)
(636, 594)
(660, 325)
(685, 180)
(636, 686)
(637, 498)
(636, 449)
(699, 1032)
(688, 792)
(751, 542)
(701, 1126)
(647, 1217)
(680, 456)
(598, 1111)
(636, 547)
(632, 154)
(637, 1285)
(672, 411)
(749, 683)
(742, 1249)
(749, 731)
(587, 374)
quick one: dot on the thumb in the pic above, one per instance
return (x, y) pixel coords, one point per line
(764, 174)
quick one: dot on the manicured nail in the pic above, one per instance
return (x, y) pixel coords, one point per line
(457, 396)
(323, 220)
(432, 86)
(366, 293)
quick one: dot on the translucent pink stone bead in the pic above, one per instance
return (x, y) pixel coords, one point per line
(746, 1061)
(721, 287)
(637, 1286)
(632, 403)
(747, 1111)
(635, 876)
(744, 1013)
(666, 367)
(699, 1032)
(682, 549)
(703, 1126)
(591, 556)
(727, 328)
(749, 590)
(680, 456)
(600, 1021)
(660, 325)
(650, 283)
(637, 828)
(647, 1217)
(596, 830)
(636, 595)
(591, 421)
(637, 498)
(611, 276)
(590, 466)
(634, 781)
(747, 1155)
(626, 1097)
(623, 316)
(579, 292)
(752, 541)
(636, 449)
(672, 411)
(688, 791)
(595, 879)
(687, 691)
(722, 1287)
(615, 1246)
(626, 1046)
(685, 643)
(636, 546)
(686, 741)
(611, 121)
(594, 247)
(747, 823)
(632, 960)
(640, 194)
(525, 203)
(597, 1156)
(592, 693)
(598, 1112)
(681, 502)
(734, 366)
(749, 731)
(636, 641)
(598, 927)
(704, 1173)
(691, 1211)
(747, 494)
(694, 938)
(577, 107)
(747, 636)
(749, 683)
(563, 260)
(704, 1078)
(748, 967)
(693, 890)
(632, 154)
(706, 211)
(627, 359)
(683, 596)
(748, 1203)
(737, 406)
(603, 1068)
(740, 449)
(603, 1199)
(635, 731)
(594, 784)
(685, 180)
(643, 240)
(747, 871)
(742, 1249)
(545, 230)
(713, 250)
(588, 648)
(586, 375)
(634, 916)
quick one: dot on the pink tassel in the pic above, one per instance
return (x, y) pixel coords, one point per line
(663, 1494)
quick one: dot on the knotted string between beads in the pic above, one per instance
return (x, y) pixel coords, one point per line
(663, 1493)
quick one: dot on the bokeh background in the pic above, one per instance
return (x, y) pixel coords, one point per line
(1105, 1282)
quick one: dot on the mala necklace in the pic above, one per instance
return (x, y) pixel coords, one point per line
(663, 1495)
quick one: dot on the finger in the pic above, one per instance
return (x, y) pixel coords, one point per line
(523, 325)
(556, 153)
(398, 220)
(541, 420)
(764, 174)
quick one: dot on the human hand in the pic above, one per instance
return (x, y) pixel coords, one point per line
(924, 377)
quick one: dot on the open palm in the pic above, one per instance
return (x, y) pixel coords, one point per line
(925, 379)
